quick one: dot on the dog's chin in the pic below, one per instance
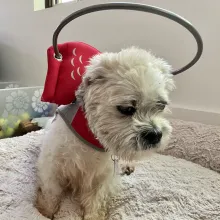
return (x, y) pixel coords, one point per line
(134, 151)
(140, 150)
(143, 146)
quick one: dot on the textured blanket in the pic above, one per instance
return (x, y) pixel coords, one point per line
(162, 187)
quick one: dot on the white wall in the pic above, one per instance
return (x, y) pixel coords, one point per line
(25, 35)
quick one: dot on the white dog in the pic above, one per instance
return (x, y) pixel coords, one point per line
(124, 97)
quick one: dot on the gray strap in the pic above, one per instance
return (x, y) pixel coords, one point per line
(67, 113)
(136, 7)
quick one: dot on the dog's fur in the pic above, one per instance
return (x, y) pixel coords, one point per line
(130, 77)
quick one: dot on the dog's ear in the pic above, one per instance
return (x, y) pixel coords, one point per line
(98, 79)
(164, 66)
(95, 75)
(166, 70)
(88, 81)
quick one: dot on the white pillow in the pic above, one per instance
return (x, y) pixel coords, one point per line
(196, 142)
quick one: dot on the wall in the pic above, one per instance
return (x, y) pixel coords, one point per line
(25, 35)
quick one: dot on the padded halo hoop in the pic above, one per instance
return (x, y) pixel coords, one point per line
(136, 7)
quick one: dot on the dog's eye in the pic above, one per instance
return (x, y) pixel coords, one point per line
(161, 105)
(126, 110)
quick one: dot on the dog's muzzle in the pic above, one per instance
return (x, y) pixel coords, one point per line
(150, 138)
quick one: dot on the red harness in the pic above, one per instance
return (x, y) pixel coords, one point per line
(80, 125)
(63, 79)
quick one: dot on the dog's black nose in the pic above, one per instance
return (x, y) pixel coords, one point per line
(152, 137)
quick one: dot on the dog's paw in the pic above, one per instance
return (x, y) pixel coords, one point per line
(100, 215)
(127, 169)
(45, 207)
(94, 217)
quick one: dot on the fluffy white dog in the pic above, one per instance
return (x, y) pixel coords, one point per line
(124, 97)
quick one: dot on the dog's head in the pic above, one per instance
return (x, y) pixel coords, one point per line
(125, 96)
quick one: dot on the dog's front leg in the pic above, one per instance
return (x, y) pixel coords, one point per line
(48, 196)
(93, 208)
(93, 201)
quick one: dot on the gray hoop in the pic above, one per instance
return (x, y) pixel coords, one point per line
(137, 7)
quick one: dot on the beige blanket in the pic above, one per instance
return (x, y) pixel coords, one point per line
(162, 187)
